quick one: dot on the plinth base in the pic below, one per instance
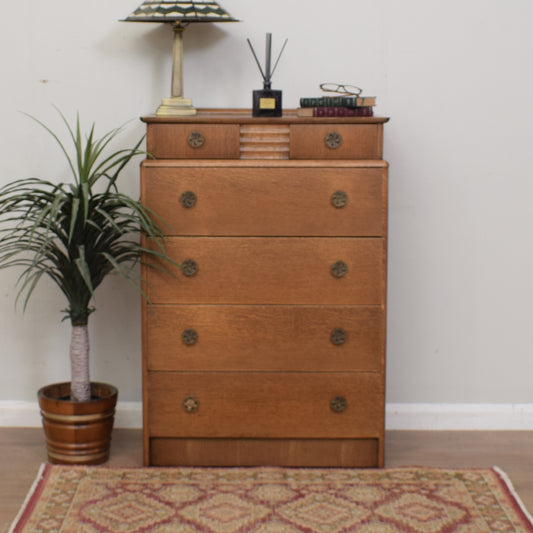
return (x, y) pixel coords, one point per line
(175, 106)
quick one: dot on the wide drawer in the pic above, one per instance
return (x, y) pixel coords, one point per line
(336, 141)
(193, 141)
(265, 405)
(264, 338)
(254, 452)
(284, 200)
(272, 270)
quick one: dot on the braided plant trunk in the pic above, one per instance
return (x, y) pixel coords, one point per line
(79, 363)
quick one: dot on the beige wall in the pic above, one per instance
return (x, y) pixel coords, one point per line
(455, 77)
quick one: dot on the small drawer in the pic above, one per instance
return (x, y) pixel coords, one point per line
(336, 141)
(256, 338)
(271, 270)
(265, 405)
(193, 141)
(325, 200)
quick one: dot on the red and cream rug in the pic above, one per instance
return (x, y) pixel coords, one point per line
(270, 500)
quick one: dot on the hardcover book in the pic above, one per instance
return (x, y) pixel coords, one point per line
(366, 111)
(338, 101)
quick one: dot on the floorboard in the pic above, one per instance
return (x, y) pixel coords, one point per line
(22, 451)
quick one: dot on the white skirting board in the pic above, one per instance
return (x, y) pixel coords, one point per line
(413, 416)
(27, 414)
(460, 416)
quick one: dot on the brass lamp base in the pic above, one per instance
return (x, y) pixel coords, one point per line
(175, 106)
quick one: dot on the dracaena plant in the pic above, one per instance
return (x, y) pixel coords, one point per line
(77, 233)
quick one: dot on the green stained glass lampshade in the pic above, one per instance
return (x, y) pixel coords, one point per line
(167, 11)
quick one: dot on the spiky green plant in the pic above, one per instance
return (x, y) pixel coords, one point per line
(77, 234)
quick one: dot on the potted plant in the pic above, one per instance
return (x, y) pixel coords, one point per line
(77, 234)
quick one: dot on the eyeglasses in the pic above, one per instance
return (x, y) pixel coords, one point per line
(342, 89)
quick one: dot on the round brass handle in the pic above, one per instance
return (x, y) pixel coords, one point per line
(195, 139)
(191, 404)
(188, 199)
(189, 337)
(338, 404)
(339, 199)
(339, 269)
(189, 267)
(338, 336)
(333, 140)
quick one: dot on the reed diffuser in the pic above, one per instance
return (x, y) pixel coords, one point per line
(266, 101)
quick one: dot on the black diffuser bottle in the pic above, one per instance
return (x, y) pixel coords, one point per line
(267, 102)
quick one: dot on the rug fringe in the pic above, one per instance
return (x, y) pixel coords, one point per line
(29, 496)
(509, 484)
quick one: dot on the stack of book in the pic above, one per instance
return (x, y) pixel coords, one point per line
(337, 106)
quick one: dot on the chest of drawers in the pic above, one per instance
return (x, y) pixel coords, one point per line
(268, 346)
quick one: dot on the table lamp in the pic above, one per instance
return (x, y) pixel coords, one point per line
(179, 14)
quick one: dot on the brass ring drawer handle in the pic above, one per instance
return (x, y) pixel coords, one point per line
(191, 404)
(338, 336)
(195, 139)
(189, 337)
(188, 199)
(339, 199)
(189, 267)
(339, 269)
(333, 140)
(338, 404)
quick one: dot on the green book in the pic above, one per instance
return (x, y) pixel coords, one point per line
(338, 101)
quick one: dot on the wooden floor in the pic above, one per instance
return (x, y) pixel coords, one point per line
(22, 451)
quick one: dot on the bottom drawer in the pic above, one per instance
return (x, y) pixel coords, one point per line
(265, 405)
(263, 452)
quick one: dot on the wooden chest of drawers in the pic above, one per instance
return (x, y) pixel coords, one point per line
(268, 346)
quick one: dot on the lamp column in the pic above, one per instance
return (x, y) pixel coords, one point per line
(177, 66)
(176, 105)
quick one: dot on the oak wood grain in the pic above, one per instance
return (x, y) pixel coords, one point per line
(244, 116)
(265, 338)
(265, 405)
(357, 141)
(269, 270)
(170, 141)
(264, 234)
(284, 201)
(264, 141)
(254, 452)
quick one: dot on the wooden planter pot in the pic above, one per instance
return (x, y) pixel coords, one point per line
(78, 432)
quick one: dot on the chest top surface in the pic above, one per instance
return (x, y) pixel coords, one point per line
(244, 116)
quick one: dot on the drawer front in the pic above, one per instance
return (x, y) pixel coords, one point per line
(193, 141)
(266, 452)
(265, 405)
(265, 338)
(268, 201)
(269, 270)
(336, 141)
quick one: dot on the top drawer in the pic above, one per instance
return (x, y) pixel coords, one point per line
(336, 141)
(193, 141)
(284, 138)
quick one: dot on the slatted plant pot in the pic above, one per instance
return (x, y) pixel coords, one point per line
(78, 432)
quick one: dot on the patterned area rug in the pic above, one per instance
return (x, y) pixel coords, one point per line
(270, 500)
